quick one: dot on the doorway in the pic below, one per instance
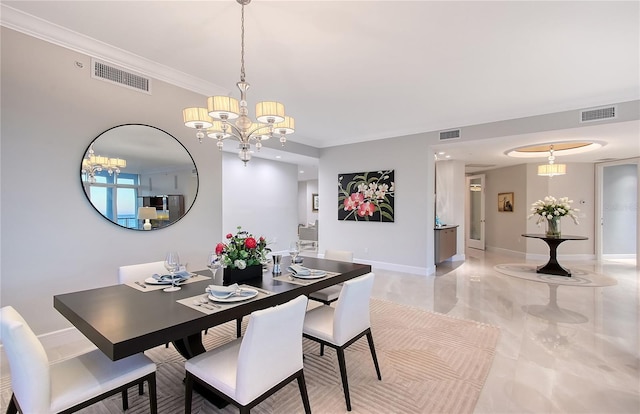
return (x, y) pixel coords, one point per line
(475, 211)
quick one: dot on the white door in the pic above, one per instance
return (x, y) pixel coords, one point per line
(475, 211)
(617, 209)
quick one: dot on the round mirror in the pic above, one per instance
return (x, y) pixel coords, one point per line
(139, 177)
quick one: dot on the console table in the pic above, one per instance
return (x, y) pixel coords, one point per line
(553, 267)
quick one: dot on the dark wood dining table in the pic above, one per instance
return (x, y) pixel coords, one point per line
(123, 321)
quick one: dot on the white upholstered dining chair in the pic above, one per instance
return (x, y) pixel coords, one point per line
(69, 385)
(139, 272)
(341, 326)
(331, 293)
(248, 370)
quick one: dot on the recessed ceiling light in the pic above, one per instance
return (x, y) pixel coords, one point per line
(441, 153)
(447, 156)
(560, 148)
(278, 156)
(301, 171)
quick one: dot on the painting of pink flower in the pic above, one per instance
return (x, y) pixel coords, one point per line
(366, 196)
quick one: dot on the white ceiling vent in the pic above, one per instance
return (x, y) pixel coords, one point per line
(452, 134)
(119, 76)
(598, 114)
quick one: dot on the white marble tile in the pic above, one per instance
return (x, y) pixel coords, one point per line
(540, 366)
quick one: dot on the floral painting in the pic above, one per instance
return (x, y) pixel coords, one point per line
(366, 196)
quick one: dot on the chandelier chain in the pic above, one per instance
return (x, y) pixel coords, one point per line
(242, 76)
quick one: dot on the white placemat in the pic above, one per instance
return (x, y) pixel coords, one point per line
(213, 307)
(143, 287)
(289, 278)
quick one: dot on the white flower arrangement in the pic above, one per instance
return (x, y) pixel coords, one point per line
(551, 207)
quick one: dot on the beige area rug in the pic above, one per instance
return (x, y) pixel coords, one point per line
(430, 363)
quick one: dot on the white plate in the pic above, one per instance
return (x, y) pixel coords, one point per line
(152, 281)
(315, 274)
(235, 298)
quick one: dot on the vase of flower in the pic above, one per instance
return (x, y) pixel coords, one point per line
(242, 256)
(553, 227)
(550, 211)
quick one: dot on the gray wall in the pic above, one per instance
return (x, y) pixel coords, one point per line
(262, 198)
(503, 229)
(404, 243)
(53, 241)
(579, 185)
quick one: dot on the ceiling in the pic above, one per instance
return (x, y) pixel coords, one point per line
(352, 71)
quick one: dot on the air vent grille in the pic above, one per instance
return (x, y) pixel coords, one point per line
(452, 134)
(598, 114)
(106, 72)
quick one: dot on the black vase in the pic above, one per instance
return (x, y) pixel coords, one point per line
(231, 276)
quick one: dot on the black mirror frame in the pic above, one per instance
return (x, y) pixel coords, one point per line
(169, 135)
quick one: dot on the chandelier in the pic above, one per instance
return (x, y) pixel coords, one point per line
(93, 164)
(551, 169)
(214, 121)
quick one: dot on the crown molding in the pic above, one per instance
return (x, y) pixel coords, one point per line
(50, 32)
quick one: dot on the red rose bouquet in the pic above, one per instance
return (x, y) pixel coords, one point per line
(242, 250)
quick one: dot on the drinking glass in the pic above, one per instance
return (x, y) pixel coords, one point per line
(294, 250)
(214, 263)
(172, 264)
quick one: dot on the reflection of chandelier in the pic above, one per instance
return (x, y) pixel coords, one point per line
(551, 169)
(93, 164)
(222, 109)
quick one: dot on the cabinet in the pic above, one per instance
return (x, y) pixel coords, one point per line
(445, 242)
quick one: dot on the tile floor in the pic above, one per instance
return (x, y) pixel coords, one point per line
(540, 366)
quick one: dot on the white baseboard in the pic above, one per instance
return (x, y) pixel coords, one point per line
(396, 267)
(506, 252)
(618, 256)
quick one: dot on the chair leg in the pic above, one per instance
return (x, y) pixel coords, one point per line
(125, 400)
(373, 354)
(343, 374)
(141, 388)
(321, 349)
(245, 410)
(303, 392)
(239, 327)
(153, 395)
(12, 408)
(188, 392)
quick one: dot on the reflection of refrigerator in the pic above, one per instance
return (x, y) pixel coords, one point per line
(444, 293)
(169, 207)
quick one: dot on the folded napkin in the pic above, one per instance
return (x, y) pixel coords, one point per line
(299, 270)
(223, 292)
(179, 276)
